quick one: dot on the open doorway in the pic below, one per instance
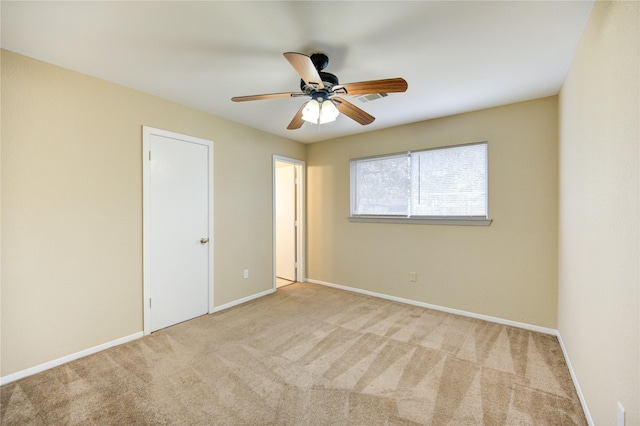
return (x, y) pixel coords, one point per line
(288, 221)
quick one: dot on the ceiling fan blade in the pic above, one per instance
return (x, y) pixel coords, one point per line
(297, 121)
(267, 96)
(352, 111)
(389, 85)
(306, 69)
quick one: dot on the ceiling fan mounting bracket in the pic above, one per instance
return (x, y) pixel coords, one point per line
(320, 60)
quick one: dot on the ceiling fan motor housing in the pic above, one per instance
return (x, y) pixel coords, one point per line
(320, 62)
(327, 78)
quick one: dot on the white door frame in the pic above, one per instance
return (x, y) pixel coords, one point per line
(147, 132)
(300, 214)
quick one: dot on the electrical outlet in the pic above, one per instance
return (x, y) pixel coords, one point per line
(413, 277)
(246, 274)
(620, 415)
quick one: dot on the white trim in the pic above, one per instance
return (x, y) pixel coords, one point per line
(243, 300)
(300, 203)
(497, 320)
(146, 261)
(574, 378)
(68, 358)
(90, 351)
(422, 221)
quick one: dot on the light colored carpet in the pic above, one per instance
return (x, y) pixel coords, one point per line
(310, 355)
(281, 282)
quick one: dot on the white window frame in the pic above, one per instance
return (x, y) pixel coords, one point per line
(440, 220)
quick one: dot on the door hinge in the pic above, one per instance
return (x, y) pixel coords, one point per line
(149, 155)
(149, 303)
(295, 223)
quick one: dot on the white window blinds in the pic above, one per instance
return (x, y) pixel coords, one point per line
(382, 185)
(449, 181)
(446, 182)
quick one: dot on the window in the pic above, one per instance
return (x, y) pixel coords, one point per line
(442, 185)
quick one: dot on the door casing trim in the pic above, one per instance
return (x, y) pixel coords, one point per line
(300, 204)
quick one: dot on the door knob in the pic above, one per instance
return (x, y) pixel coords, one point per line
(204, 240)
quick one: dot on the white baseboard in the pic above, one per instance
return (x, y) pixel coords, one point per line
(574, 378)
(502, 321)
(243, 300)
(68, 358)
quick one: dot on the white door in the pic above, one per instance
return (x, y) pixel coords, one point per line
(285, 221)
(178, 236)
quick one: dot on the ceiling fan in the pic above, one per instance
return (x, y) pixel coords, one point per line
(325, 91)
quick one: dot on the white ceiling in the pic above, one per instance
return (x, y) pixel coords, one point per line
(456, 56)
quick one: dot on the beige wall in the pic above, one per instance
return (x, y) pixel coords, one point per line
(71, 220)
(507, 270)
(72, 208)
(599, 314)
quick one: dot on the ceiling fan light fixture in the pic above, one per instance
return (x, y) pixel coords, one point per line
(311, 111)
(328, 112)
(319, 112)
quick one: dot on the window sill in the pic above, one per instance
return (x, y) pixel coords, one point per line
(466, 221)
